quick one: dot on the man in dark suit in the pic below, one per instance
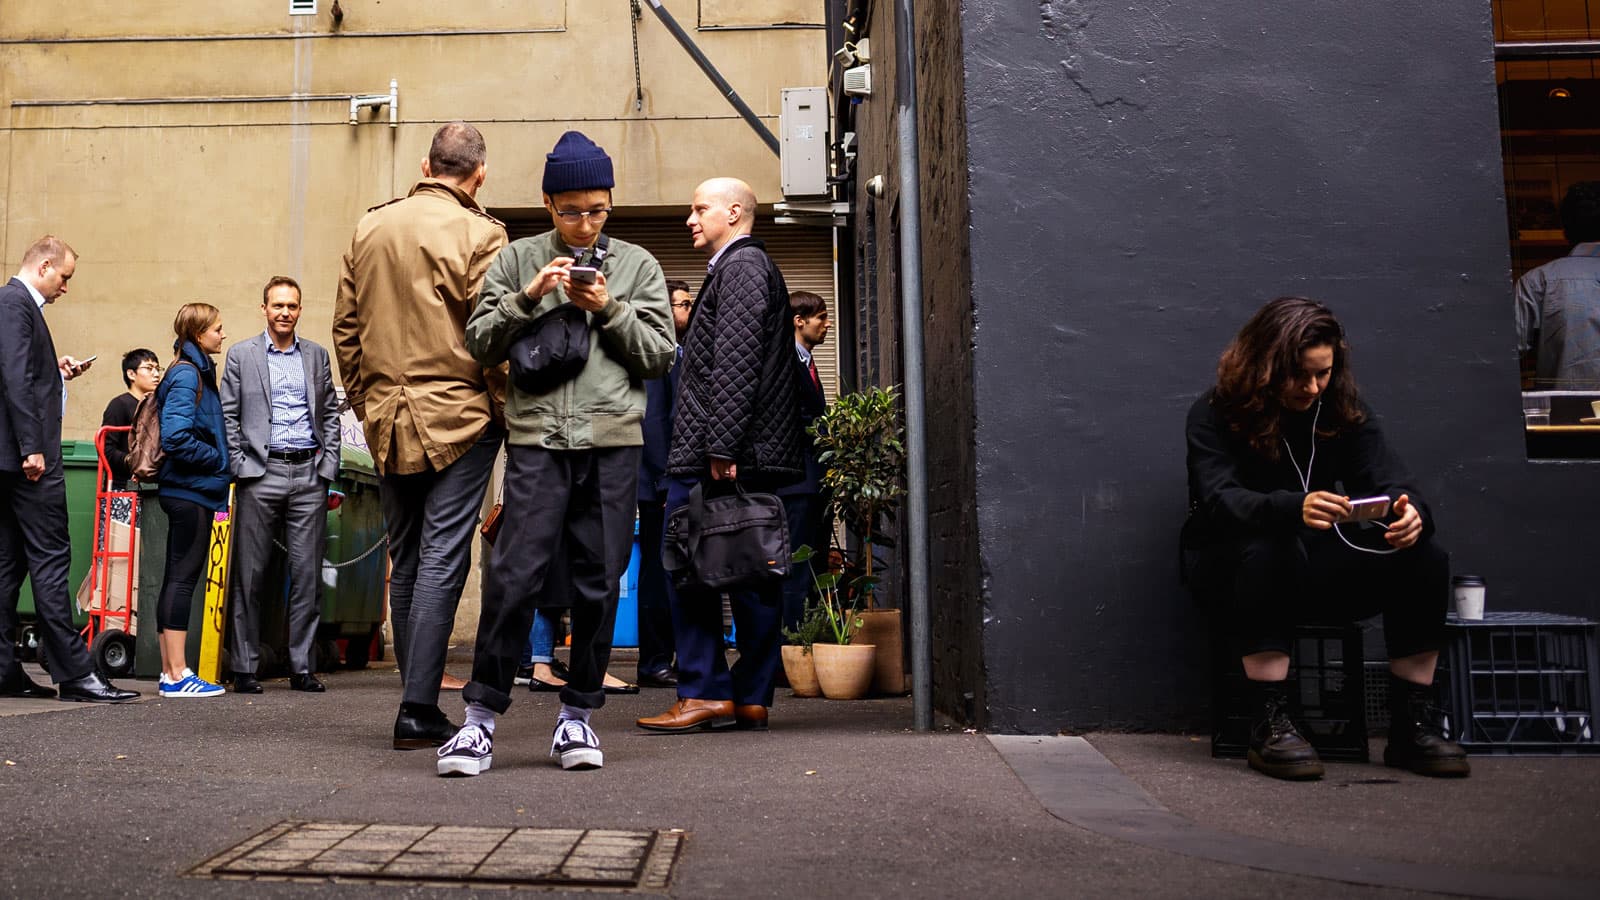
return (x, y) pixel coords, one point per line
(737, 416)
(656, 642)
(282, 424)
(803, 501)
(33, 489)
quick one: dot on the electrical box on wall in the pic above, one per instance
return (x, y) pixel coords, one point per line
(803, 129)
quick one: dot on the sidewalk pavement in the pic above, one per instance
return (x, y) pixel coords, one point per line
(839, 799)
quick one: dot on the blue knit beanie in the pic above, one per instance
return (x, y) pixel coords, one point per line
(577, 164)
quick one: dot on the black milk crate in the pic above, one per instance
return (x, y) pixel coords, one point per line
(1326, 692)
(1521, 683)
(1377, 672)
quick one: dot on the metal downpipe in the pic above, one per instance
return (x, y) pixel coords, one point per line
(911, 348)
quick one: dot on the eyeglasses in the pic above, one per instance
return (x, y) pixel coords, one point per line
(572, 215)
(150, 367)
(686, 304)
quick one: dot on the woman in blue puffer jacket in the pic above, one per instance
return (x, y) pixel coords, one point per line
(193, 484)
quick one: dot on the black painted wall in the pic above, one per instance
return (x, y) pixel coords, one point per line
(1143, 175)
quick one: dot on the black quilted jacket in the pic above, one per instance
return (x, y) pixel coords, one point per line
(737, 397)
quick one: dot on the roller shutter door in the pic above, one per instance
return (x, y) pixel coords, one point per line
(803, 254)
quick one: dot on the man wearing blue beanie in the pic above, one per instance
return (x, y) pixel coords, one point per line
(572, 454)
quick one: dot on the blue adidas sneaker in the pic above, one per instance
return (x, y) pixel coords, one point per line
(190, 685)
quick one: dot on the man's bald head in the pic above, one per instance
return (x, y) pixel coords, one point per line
(723, 209)
(731, 191)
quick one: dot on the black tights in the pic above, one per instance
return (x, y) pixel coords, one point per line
(188, 545)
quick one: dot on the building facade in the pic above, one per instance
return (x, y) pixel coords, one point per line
(1108, 191)
(190, 150)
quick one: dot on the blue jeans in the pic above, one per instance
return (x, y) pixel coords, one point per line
(541, 639)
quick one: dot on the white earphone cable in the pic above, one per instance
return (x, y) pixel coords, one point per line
(1305, 481)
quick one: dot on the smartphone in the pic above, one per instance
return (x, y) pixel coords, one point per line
(1367, 508)
(583, 274)
(85, 362)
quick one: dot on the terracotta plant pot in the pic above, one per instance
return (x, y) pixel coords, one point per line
(844, 670)
(801, 671)
(881, 628)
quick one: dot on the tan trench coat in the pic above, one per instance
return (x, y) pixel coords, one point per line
(410, 281)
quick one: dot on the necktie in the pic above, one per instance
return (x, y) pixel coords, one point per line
(811, 366)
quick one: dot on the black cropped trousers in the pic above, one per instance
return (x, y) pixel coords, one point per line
(1264, 586)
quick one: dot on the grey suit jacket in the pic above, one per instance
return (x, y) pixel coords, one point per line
(247, 407)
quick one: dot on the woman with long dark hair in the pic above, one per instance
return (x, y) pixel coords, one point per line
(1277, 451)
(194, 483)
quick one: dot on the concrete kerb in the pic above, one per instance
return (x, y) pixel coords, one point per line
(1078, 785)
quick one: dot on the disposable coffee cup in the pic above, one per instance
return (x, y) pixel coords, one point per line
(1469, 591)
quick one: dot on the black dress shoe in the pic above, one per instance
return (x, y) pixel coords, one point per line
(245, 683)
(663, 677)
(419, 726)
(91, 688)
(306, 681)
(18, 684)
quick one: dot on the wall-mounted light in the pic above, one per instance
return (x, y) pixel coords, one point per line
(1560, 93)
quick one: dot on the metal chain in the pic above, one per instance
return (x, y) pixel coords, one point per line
(347, 563)
(638, 77)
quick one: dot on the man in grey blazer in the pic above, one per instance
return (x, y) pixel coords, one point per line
(282, 421)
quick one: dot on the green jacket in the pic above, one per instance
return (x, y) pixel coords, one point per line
(630, 340)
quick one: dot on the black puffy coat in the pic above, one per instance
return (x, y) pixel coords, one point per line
(737, 396)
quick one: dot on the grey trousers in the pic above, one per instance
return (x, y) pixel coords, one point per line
(431, 518)
(290, 498)
(34, 542)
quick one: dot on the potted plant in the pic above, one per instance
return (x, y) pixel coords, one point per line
(843, 664)
(798, 664)
(860, 444)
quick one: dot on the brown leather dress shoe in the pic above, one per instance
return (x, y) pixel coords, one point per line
(689, 714)
(750, 717)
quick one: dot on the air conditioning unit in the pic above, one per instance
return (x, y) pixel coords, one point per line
(803, 129)
(858, 81)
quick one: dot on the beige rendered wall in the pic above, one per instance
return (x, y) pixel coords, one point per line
(137, 133)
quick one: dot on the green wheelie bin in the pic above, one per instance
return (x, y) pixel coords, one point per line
(81, 466)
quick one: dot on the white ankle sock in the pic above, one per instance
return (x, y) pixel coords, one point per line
(481, 716)
(573, 712)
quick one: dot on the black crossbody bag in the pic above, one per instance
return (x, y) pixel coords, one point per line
(554, 347)
(726, 542)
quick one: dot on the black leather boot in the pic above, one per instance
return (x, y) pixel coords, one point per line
(419, 726)
(1276, 746)
(1416, 738)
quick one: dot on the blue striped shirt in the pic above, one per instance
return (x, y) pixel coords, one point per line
(291, 406)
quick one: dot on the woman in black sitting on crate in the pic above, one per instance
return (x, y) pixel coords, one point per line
(1277, 451)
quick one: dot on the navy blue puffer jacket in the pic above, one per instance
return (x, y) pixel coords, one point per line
(195, 467)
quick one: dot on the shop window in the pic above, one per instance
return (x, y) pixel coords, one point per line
(1547, 67)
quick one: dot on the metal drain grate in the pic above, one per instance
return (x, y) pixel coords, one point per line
(591, 859)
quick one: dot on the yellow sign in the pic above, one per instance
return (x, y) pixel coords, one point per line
(209, 665)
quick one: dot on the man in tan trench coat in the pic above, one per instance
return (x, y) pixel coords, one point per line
(432, 415)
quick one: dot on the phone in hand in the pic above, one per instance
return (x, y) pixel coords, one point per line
(85, 362)
(1368, 508)
(583, 274)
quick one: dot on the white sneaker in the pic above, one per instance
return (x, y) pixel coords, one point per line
(470, 752)
(575, 742)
